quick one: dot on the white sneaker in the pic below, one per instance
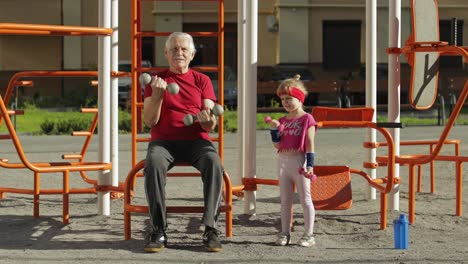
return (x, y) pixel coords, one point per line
(306, 241)
(283, 239)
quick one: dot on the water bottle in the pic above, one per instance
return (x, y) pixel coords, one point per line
(400, 229)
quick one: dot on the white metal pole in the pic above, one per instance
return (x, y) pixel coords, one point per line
(104, 177)
(371, 89)
(394, 40)
(241, 86)
(114, 94)
(248, 11)
(251, 102)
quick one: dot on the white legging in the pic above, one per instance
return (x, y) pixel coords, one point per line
(288, 166)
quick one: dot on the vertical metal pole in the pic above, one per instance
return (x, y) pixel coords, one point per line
(114, 94)
(251, 99)
(104, 177)
(394, 36)
(371, 81)
(241, 24)
(135, 21)
(247, 65)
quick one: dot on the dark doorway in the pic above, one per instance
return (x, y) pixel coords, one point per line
(446, 34)
(341, 44)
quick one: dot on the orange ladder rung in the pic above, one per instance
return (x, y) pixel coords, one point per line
(16, 112)
(72, 156)
(81, 133)
(89, 110)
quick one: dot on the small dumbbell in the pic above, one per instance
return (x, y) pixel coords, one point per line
(268, 121)
(145, 79)
(217, 110)
(312, 176)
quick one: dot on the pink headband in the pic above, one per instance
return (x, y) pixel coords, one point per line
(296, 93)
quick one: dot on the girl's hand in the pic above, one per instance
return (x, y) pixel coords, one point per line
(274, 123)
(308, 173)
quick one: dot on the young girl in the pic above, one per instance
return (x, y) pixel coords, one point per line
(293, 136)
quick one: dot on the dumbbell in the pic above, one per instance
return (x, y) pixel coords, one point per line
(145, 79)
(217, 110)
(312, 177)
(268, 121)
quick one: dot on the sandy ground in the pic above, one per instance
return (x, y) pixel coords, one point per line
(350, 236)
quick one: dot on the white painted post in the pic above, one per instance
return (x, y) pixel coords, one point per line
(241, 87)
(248, 98)
(394, 40)
(371, 82)
(115, 94)
(104, 177)
(114, 108)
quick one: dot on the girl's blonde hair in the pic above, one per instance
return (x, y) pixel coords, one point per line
(286, 85)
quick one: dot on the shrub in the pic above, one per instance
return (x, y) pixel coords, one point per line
(79, 124)
(63, 127)
(125, 125)
(47, 127)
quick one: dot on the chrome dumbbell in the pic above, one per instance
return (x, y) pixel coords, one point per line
(145, 79)
(217, 110)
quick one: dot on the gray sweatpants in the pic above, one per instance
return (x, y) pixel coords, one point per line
(161, 157)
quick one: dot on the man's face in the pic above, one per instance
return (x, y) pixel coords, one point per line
(179, 55)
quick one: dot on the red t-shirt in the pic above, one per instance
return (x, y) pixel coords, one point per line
(194, 87)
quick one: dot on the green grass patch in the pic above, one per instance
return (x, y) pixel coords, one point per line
(39, 121)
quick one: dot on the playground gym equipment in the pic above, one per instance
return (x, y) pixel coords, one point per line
(332, 189)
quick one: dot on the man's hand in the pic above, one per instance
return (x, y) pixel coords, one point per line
(158, 85)
(206, 119)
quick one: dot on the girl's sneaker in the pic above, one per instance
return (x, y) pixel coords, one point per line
(306, 241)
(283, 239)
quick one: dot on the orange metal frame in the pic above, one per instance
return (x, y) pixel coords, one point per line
(416, 160)
(46, 167)
(129, 208)
(137, 106)
(360, 118)
(52, 30)
(385, 185)
(431, 144)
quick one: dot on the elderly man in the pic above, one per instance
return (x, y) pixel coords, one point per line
(172, 141)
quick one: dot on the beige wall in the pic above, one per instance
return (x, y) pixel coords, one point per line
(318, 11)
(89, 18)
(28, 11)
(22, 52)
(167, 18)
(72, 52)
(460, 13)
(293, 19)
(26, 52)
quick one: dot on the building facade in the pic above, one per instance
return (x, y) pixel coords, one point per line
(326, 37)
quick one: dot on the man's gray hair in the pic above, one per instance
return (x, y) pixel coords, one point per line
(175, 35)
